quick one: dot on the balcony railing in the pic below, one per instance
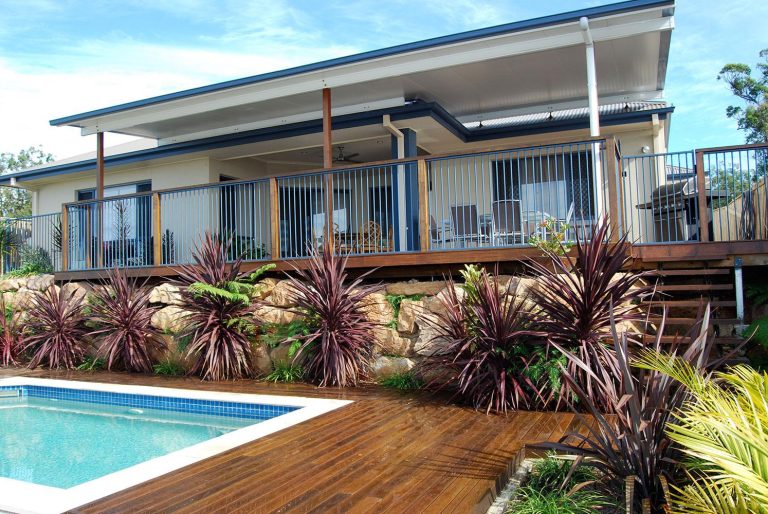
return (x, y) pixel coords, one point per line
(715, 194)
(499, 198)
(32, 237)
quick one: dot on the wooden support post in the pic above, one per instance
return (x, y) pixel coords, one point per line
(64, 239)
(701, 187)
(157, 235)
(425, 230)
(614, 200)
(327, 130)
(274, 217)
(99, 198)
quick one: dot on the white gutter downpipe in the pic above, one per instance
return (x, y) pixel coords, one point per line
(402, 227)
(594, 116)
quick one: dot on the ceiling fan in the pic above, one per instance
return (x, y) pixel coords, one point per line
(340, 157)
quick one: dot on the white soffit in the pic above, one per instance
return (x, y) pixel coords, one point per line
(503, 72)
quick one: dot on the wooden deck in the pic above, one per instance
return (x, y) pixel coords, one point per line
(386, 452)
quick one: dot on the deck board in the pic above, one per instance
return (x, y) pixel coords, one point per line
(386, 452)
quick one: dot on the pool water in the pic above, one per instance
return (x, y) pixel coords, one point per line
(62, 443)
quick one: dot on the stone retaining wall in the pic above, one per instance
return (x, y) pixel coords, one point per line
(401, 338)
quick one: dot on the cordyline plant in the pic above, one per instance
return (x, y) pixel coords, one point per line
(483, 345)
(55, 329)
(578, 298)
(121, 316)
(627, 436)
(220, 323)
(339, 345)
(11, 346)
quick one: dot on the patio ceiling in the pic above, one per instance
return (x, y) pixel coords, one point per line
(508, 70)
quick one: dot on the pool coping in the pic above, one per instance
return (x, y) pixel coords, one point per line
(27, 498)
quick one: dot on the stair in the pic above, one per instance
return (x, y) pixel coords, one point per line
(683, 292)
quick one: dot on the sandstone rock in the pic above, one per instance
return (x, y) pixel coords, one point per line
(414, 287)
(21, 299)
(265, 287)
(279, 354)
(170, 319)
(435, 305)
(78, 290)
(261, 359)
(282, 295)
(377, 309)
(13, 283)
(167, 294)
(429, 342)
(39, 282)
(410, 311)
(389, 342)
(387, 366)
(269, 314)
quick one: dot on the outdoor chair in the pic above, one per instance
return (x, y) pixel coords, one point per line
(373, 240)
(466, 224)
(507, 227)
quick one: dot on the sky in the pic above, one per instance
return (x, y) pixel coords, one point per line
(64, 57)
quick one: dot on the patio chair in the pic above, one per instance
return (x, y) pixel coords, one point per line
(437, 234)
(507, 222)
(466, 224)
(372, 239)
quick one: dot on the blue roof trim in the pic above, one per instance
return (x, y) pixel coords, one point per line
(556, 19)
(415, 110)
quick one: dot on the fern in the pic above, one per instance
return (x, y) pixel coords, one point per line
(200, 289)
(256, 275)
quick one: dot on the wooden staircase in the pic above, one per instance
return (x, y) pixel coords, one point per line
(682, 291)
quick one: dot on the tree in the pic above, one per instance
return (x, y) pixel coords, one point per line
(753, 117)
(15, 202)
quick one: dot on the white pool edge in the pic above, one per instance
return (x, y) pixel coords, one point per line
(27, 498)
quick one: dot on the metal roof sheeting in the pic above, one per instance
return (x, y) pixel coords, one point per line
(564, 115)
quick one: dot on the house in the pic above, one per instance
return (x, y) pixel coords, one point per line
(438, 152)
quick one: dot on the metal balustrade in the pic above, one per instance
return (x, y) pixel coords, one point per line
(33, 237)
(508, 198)
(237, 212)
(490, 199)
(736, 197)
(114, 232)
(661, 201)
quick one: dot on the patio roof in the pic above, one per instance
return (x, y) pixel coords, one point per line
(530, 66)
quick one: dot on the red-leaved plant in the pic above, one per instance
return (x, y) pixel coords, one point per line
(121, 315)
(340, 343)
(11, 346)
(56, 329)
(625, 437)
(220, 324)
(577, 298)
(483, 344)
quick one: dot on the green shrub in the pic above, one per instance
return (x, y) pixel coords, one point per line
(285, 372)
(552, 471)
(404, 381)
(34, 261)
(92, 364)
(530, 500)
(758, 331)
(272, 334)
(169, 367)
(396, 300)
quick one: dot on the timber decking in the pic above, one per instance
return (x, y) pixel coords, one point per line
(386, 452)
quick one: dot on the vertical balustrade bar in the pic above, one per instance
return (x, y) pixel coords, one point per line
(701, 187)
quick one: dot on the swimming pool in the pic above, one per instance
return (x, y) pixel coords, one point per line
(66, 443)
